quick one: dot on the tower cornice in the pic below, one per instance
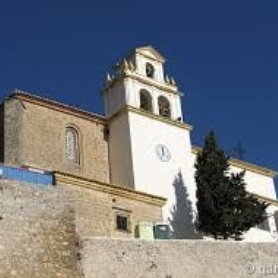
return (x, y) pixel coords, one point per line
(170, 88)
(129, 108)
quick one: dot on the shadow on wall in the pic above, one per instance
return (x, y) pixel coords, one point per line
(182, 219)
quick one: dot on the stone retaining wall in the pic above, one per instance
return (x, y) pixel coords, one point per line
(40, 237)
(103, 258)
(37, 233)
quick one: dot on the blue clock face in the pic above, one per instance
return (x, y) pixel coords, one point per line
(163, 153)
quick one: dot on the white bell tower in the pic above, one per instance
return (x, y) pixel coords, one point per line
(149, 144)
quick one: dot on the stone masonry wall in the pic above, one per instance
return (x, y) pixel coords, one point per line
(2, 117)
(96, 212)
(103, 258)
(12, 127)
(37, 233)
(38, 133)
(42, 229)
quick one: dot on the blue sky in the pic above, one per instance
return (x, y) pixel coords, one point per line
(223, 54)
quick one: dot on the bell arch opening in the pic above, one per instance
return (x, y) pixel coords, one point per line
(146, 101)
(164, 107)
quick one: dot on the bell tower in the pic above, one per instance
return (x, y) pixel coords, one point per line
(149, 144)
(142, 71)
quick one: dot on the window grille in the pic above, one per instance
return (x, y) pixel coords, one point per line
(72, 151)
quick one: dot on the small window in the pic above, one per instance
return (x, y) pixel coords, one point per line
(145, 101)
(72, 145)
(149, 70)
(122, 222)
(164, 107)
(122, 219)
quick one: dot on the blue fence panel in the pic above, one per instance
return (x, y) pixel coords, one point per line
(45, 178)
(14, 173)
(30, 177)
(25, 175)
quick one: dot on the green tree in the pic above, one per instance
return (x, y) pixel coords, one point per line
(247, 210)
(224, 207)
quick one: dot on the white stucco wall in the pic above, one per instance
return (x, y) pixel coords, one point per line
(133, 88)
(152, 175)
(258, 183)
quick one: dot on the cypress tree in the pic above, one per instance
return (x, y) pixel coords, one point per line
(247, 210)
(224, 207)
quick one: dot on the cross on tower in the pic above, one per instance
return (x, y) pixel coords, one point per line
(240, 151)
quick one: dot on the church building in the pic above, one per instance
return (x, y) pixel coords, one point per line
(134, 164)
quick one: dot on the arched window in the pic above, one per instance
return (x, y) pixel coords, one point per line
(164, 107)
(149, 70)
(72, 145)
(146, 101)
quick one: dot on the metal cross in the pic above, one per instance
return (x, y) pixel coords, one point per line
(240, 151)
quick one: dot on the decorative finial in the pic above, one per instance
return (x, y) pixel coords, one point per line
(108, 77)
(131, 66)
(126, 66)
(167, 79)
(173, 82)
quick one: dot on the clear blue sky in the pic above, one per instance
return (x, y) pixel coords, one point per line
(223, 54)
